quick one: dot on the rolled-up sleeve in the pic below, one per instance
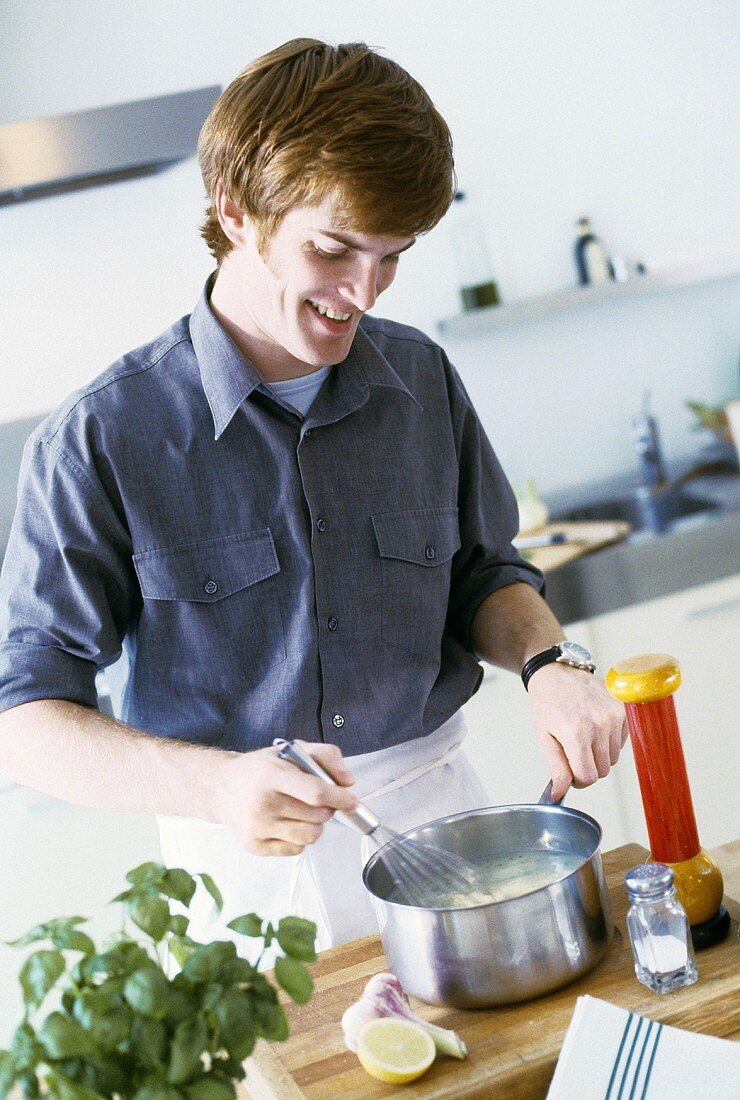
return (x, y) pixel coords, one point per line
(488, 518)
(66, 583)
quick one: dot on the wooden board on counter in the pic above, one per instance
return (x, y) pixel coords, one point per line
(582, 538)
(512, 1050)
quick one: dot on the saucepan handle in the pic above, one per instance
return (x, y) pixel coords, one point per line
(546, 798)
(361, 819)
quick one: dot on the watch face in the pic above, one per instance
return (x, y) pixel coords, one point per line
(576, 652)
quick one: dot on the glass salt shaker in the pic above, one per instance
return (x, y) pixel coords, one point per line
(658, 928)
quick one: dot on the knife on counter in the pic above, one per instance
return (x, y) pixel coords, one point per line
(530, 542)
(596, 532)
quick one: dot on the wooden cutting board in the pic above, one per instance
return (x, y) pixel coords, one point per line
(512, 1050)
(582, 538)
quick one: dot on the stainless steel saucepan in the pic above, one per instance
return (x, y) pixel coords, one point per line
(502, 951)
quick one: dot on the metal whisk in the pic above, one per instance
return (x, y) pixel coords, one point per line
(424, 874)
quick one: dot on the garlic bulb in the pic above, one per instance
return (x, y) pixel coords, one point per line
(385, 996)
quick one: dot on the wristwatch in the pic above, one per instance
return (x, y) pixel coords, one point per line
(564, 653)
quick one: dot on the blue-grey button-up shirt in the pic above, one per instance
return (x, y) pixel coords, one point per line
(265, 575)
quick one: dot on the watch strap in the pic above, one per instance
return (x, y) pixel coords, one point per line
(546, 657)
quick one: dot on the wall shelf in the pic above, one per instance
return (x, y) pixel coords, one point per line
(509, 314)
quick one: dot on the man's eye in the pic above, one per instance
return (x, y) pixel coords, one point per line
(329, 255)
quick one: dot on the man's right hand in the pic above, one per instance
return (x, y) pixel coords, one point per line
(275, 809)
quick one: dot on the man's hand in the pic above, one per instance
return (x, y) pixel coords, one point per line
(275, 809)
(580, 728)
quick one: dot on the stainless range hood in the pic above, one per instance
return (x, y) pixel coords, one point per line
(47, 156)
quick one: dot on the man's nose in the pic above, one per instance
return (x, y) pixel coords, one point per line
(361, 286)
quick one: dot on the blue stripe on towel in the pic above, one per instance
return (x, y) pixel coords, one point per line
(615, 1067)
(658, 1036)
(645, 1044)
(625, 1073)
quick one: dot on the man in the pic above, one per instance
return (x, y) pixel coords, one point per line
(286, 515)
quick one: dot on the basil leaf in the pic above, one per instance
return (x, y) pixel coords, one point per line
(70, 939)
(66, 1089)
(112, 1028)
(152, 914)
(148, 1043)
(146, 874)
(191, 1039)
(146, 991)
(269, 1018)
(213, 890)
(38, 974)
(210, 961)
(209, 1088)
(297, 937)
(64, 1038)
(7, 1072)
(179, 924)
(236, 1024)
(29, 1085)
(248, 925)
(294, 978)
(46, 930)
(178, 884)
(181, 950)
(180, 1005)
(157, 1091)
(25, 1048)
(121, 960)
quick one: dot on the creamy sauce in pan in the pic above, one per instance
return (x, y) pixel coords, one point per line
(505, 877)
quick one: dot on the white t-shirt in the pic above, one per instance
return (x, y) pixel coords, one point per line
(299, 393)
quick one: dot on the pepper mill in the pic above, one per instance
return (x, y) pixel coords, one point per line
(646, 685)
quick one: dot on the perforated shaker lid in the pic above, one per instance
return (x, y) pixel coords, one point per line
(649, 880)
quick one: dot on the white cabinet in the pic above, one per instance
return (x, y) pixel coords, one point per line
(700, 627)
(501, 746)
(59, 860)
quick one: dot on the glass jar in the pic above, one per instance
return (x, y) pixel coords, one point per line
(658, 929)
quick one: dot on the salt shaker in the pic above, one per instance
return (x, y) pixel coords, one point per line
(658, 929)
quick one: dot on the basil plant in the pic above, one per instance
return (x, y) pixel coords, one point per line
(121, 1027)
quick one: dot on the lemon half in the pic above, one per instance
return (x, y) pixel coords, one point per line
(395, 1050)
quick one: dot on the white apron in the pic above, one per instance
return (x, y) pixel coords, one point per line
(406, 785)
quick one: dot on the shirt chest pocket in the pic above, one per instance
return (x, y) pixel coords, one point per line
(416, 547)
(214, 604)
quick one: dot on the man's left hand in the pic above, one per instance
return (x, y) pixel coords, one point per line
(580, 728)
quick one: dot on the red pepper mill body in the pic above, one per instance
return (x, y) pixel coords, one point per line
(646, 685)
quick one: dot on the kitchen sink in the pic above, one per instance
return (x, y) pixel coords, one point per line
(644, 509)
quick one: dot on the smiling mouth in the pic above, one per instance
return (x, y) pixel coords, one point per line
(326, 311)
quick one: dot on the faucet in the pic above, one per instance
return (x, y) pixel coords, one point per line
(647, 446)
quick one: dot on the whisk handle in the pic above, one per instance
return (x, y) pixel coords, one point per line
(362, 819)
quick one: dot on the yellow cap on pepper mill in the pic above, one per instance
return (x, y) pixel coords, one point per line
(644, 679)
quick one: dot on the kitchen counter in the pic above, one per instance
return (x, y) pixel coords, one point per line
(645, 565)
(512, 1050)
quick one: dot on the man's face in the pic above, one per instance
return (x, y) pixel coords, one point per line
(296, 306)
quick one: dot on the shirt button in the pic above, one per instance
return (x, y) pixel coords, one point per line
(307, 433)
(321, 524)
(430, 553)
(210, 588)
(332, 623)
(338, 720)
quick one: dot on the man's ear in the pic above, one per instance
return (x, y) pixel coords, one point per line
(232, 219)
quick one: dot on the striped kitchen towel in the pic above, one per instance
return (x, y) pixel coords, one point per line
(611, 1054)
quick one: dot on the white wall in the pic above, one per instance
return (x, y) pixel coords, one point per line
(623, 112)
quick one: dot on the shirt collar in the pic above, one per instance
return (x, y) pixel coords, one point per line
(228, 377)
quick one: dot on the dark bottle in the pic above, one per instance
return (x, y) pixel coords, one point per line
(475, 282)
(591, 259)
